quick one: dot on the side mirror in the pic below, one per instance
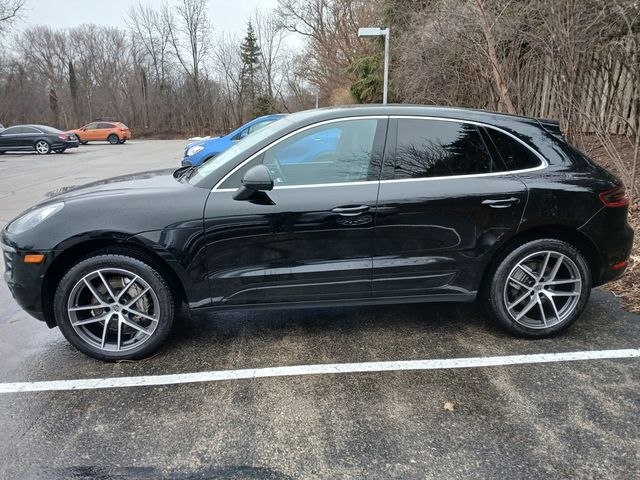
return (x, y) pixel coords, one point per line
(256, 179)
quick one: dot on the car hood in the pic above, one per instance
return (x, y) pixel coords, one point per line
(125, 184)
(202, 141)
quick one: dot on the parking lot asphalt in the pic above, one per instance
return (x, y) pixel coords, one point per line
(556, 420)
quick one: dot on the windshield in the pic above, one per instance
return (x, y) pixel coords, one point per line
(246, 144)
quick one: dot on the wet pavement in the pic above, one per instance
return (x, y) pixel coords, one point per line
(559, 420)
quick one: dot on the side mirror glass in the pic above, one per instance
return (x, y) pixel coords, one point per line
(256, 179)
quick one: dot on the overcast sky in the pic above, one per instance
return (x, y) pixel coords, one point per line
(225, 15)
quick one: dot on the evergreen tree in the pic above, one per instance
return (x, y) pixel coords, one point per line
(250, 53)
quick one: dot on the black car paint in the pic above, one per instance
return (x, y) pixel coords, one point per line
(25, 142)
(413, 241)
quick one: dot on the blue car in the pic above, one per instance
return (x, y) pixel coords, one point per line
(199, 152)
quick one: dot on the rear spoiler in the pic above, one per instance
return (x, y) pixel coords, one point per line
(550, 126)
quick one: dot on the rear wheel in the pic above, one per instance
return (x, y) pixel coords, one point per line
(113, 139)
(42, 147)
(114, 307)
(539, 289)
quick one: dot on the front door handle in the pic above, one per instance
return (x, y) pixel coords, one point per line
(501, 202)
(351, 211)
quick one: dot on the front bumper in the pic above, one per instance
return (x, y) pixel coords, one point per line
(25, 280)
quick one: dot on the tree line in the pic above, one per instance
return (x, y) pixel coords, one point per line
(173, 70)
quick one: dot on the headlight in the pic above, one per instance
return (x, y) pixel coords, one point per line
(33, 218)
(195, 149)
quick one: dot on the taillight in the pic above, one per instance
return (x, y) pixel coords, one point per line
(64, 137)
(616, 197)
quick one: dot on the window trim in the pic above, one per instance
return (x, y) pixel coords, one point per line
(543, 162)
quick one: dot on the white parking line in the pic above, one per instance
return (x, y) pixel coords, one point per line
(321, 369)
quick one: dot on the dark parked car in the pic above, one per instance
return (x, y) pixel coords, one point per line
(38, 138)
(413, 204)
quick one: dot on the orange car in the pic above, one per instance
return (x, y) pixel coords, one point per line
(112, 132)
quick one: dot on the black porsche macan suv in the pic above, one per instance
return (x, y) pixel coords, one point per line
(344, 206)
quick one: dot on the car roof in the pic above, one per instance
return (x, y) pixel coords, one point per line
(482, 116)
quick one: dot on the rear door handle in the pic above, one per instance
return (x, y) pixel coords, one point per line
(351, 211)
(501, 202)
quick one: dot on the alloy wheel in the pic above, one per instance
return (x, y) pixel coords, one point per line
(113, 309)
(42, 147)
(543, 289)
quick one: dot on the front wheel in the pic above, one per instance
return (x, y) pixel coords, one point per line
(60, 150)
(42, 147)
(122, 141)
(114, 307)
(113, 139)
(539, 289)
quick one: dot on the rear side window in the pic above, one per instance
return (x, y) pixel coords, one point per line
(437, 148)
(104, 125)
(514, 154)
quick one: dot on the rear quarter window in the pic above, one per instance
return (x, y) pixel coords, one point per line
(514, 154)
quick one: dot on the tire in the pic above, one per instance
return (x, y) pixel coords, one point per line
(84, 328)
(1, 152)
(123, 141)
(60, 150)
(42, 147)
(113, 139)
(83, 142)
(514, 287)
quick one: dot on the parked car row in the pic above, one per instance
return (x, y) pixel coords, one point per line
(43, 139)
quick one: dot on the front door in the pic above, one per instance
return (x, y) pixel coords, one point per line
(311, 237)
(445, 203)
(90, 132)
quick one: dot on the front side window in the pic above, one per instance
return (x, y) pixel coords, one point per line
(91, 126)
(337, 152)
(11, 131)
(231, 155)
(437, 148)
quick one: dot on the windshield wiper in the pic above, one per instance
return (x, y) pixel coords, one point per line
(183, 172)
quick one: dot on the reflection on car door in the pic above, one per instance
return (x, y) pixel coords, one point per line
(308, 239)
(439, 214)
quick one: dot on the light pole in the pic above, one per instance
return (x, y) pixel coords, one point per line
(377, 32)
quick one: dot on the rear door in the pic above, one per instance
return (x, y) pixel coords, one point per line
(311, 237)
(445, 203)
(28, 137)
(104, 130)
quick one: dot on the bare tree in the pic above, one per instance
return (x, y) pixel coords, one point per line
(9, 10)
(330, 29)
(271, 37)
